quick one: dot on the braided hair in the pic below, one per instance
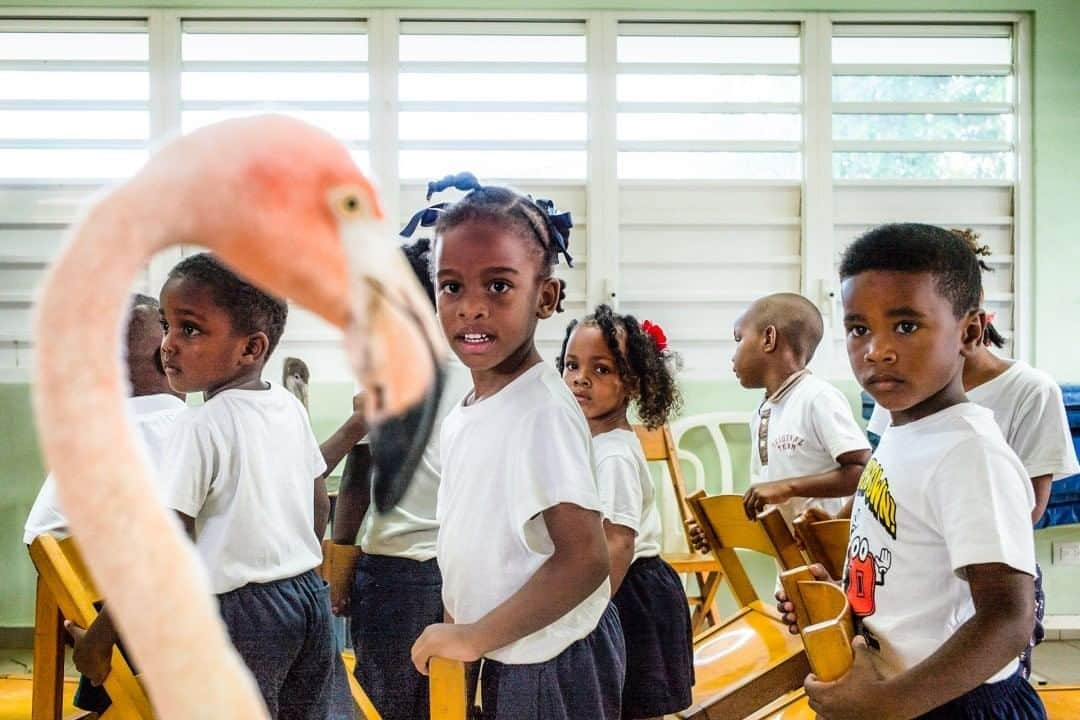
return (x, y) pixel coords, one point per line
(645, 368)
(991, 336)
(534, 220)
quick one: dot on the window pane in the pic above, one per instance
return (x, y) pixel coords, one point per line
(922, 88)
(493, 126)
(73, 125)
(45, 163)
(708, 88)
(493, 164)
(709, 165)
(272, 46)
(493, 87)
(684, 49)
(709, 126)
(922, 166)
(923, 127)
(75, 46)
(274, 86)
(479, 48)
(344, 125)
(922, 50)
(74, 85)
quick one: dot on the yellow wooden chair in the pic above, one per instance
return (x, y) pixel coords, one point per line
(659, 446)
(749, 658)
(66, 591)
(825, 542)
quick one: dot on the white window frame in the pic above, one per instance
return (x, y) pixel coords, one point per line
(601, 183)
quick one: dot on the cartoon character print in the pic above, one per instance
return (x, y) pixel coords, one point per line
(865, 572)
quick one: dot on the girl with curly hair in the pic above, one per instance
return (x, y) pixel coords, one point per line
(611, 362)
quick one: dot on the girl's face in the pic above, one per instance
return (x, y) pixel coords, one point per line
(590, 371)
(491, 294)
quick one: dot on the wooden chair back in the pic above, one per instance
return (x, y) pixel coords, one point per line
(826, 542)
(66, 591)
(825, 622)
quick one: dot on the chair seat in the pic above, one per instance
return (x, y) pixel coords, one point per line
(691, 562)
(744, 663)
(1062, 701)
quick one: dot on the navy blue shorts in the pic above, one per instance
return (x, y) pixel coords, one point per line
(283, 631)
(1010, 699)
(655, 618)
(392, 601)
(583, 681)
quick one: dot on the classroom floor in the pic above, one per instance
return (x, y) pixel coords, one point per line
(1056, 662)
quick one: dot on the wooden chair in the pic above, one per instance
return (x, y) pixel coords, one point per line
(749, 658)
(825, 542)
(66, 591)
(1062, 701)
(659, 446)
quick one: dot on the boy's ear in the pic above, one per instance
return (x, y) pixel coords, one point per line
(255, 348)
(550, 291)
(974, 327)
(768, 338)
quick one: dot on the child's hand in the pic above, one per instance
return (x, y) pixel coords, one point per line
(339, 599)
(769, 493)
(453, 642)
(861, 693)
(698, 541)
(786, 608)
(92, 659)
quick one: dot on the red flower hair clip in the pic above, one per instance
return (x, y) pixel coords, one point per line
(657, 334)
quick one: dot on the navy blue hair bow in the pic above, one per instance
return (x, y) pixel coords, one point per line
(559, 224)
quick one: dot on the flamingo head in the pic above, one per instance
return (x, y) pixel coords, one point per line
(285, 206)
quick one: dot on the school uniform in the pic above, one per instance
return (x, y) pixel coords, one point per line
(243, 465)
(1028, 408)
(938, 495)
(506, 459)
(651, 601)
(153, 417)
(800, 430)
(397, 589)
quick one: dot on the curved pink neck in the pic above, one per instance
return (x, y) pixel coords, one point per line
(152, 579)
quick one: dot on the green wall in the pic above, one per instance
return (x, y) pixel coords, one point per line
(1056, 256)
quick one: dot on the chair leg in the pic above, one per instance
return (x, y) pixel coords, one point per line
(48, 686)
(706, 612)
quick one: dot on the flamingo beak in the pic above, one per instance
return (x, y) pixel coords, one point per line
(397, 350)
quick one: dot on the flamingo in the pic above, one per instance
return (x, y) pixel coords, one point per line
(284, 205)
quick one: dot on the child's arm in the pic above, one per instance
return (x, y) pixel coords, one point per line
(995, 635)
(322, 507)
(620, 545)
(1042, 486)
(354, 495)
(577, 566)
(93, 647)
(839, 482)
(345, 438)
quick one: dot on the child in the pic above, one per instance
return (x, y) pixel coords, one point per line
(1028, 408)
(245, 476)
(521, 545)
(154, 408)
(942, 553)
(808, 450)
(397, 588)
(608, 360)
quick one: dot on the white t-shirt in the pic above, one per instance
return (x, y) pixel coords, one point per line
(938, 495)
(153, 417)
(1028, 408)
(809, 428)
(626, 488)
(505, 460)
(409, 529)
(243, 465)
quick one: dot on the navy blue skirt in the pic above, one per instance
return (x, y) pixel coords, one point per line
(582, 682)
(1010, 699)
(659, 642)
(392, 601)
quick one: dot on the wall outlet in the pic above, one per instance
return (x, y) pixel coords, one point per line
(1067, 553)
